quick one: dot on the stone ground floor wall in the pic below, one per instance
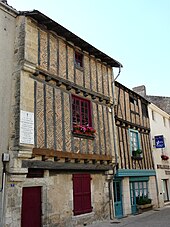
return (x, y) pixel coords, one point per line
(163, 174)
(57, 200)
(126, 202)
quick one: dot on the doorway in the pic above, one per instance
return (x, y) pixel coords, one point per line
(165, 190)
(31, 207)
(117, 187)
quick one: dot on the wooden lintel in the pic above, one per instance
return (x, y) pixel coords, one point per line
(69, 155)
(67, 166)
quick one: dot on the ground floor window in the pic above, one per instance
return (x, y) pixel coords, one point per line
(82, 193)
(139, 192)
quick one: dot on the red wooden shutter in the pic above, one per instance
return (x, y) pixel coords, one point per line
(82, 193)
(31, 207)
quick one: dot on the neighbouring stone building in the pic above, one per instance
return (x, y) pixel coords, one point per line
(160, 101)
(57, 124)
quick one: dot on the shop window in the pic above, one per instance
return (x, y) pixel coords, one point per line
(139, 192)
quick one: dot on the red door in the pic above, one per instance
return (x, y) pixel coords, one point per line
(31, 207)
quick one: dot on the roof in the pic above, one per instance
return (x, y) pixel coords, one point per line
(69, 36)
(131, 92)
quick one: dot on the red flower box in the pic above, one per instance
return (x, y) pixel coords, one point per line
(85, 130)
(164, 157)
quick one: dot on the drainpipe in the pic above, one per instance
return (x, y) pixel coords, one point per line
(5, 159)
(111, 199)
(2, 190)
(113, 120)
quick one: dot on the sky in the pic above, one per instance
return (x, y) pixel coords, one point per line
(134, 32)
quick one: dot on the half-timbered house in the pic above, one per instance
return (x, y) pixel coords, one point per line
(61, 134)
(134, 181)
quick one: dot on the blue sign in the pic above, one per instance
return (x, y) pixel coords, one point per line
(159, 141)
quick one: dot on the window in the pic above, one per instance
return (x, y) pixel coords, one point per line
(139, 191)
(144, 110)
(82, 193)
(78, 59)
(35, 173)
(135, 143)
(164, 121)
(133, 100)
(153, 115)
(81, 111)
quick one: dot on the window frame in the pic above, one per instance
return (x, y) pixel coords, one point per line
(82, 202)
(78, 59)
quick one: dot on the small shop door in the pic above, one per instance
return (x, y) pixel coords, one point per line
(31, 207)
(165, 190)
(117, 187)
(133, 198)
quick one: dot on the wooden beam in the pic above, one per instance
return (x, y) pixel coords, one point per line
(49, 165)
(69, 155)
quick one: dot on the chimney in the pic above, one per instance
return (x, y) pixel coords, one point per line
(141, 90)
(4, 1)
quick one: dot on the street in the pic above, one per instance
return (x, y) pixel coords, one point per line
(156, 218)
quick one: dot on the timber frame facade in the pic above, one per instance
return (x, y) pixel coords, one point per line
(135, 167)
(59, 83)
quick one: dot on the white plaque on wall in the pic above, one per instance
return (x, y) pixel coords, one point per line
(26, 127)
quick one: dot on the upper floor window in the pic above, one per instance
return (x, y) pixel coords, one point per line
(135, 148)
(153, 115)
(133, 100)
(81, 111)
(164, 121)
(82, 117)
(144, 110)
(78, 59)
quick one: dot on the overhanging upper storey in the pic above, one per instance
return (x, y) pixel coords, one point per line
(71, 37)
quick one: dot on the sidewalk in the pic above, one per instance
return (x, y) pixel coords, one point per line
(158, 218)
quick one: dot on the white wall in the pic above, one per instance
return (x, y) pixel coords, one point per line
(158, 127)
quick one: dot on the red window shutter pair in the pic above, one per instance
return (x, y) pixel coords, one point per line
(82, 193)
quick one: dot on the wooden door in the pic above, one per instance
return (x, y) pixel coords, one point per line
(31, 207)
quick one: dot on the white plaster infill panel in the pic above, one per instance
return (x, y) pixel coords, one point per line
(26, 127)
